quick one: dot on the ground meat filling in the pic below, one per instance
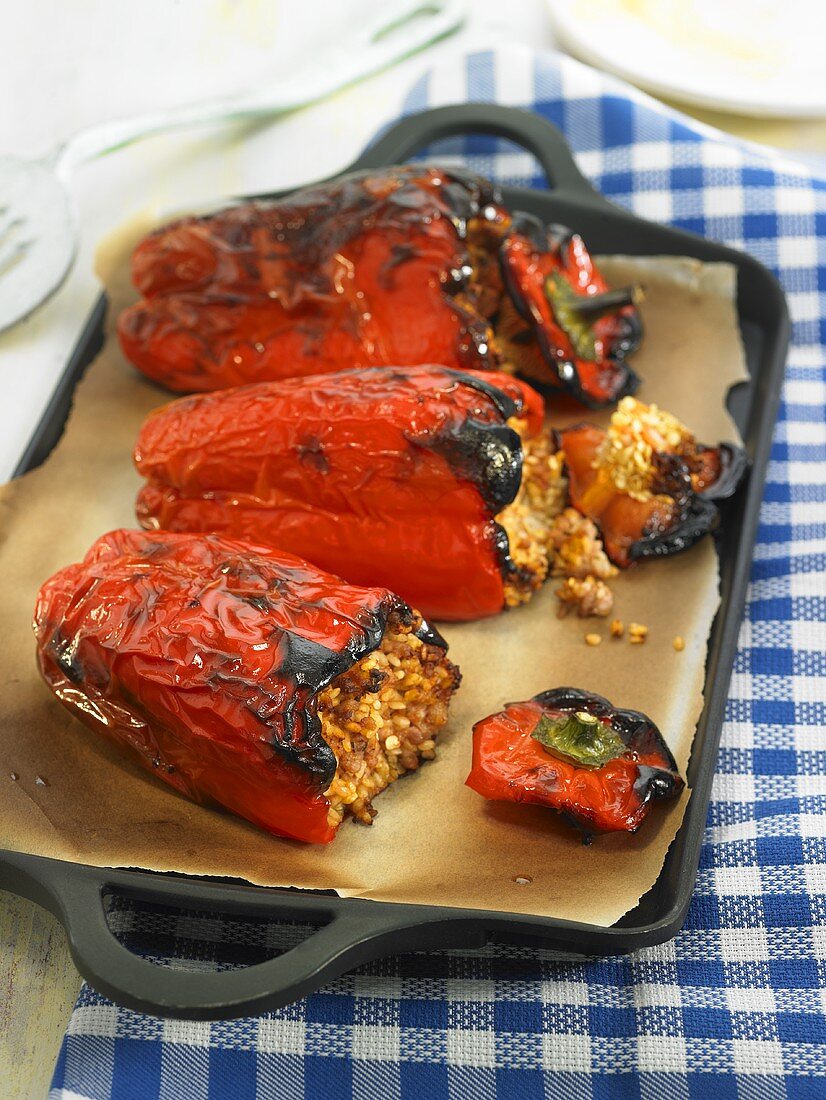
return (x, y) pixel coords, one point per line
(485, 288)
(528, 520)
(577, 548)
(381, 717)
(588, 596)
(577, 554)
(516, 346)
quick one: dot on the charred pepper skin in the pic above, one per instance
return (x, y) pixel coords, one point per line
(408, 265)
(510, 765)
(368, 270)
(682, 511)
(204, 656)
(389, 477)
(543, 347)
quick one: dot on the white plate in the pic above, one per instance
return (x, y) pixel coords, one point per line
(755, 57)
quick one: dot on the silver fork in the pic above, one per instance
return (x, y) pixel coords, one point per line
(38, 229)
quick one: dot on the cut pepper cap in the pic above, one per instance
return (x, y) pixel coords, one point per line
(601, 767)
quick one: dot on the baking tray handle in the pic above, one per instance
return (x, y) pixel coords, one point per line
(352, 932)
(144, 985)
(533, 132)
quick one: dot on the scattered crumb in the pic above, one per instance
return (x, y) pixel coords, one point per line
(40, 781)
(679, 643)
(589, 596)
(617, 628)
(522, 880)
(637, 633)
(592, 639)
(14, 777)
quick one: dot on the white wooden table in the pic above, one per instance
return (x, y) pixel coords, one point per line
(72, 76)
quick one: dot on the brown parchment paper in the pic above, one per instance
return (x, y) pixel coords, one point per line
(434, 840)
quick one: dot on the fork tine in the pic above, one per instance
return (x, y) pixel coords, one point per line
(11, 253)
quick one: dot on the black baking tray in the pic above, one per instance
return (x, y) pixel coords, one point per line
(355, 931)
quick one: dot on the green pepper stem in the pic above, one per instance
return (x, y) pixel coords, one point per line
(596, 305)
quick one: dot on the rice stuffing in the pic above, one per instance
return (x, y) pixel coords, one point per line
(528, 519)
(636, 433)
(381, 717)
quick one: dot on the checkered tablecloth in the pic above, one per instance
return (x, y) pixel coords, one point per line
(735, 1006)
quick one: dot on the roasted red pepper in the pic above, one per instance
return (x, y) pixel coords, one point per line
(398, 267)
(647, 483)
(365, 271)
(207, 657)
(404, 477)
(561, 325)
(573, 751)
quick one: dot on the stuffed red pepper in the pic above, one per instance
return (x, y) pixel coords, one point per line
(439, 484)
(406, 265)
(245, 677)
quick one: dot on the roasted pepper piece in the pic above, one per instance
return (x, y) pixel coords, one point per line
(397, 267)
(560, 324)
(415, 478)
(573, 751)
(237, 674)
(646, 481)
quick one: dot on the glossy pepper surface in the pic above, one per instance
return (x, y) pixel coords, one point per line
(668, 500)
(570, 750)
(402, 266)
(391, 477)
(561, 325)
(204, 656)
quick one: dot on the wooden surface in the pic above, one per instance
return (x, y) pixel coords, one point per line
(38, 986)
(38, 982)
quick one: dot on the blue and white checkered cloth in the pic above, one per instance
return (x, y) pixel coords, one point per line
(735, 1006)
